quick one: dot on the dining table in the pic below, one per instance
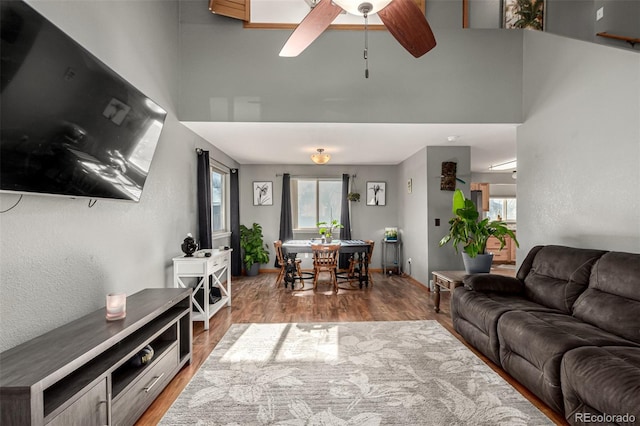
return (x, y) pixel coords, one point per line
(358, 248)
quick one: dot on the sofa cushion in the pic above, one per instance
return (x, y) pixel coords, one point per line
(597, 381)
(612, 301)
(532, 345)
(475, 316)
(558, 275)
(493, 282)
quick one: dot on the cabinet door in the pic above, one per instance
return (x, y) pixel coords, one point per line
(484, 187)
(493, 246)
(89, 410)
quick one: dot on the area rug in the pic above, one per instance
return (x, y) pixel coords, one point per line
(359, 373)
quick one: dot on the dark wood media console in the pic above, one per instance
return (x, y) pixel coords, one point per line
(81, 374)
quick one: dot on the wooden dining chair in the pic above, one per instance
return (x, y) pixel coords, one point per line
(354, 264)
(325, 259)
(282, 261)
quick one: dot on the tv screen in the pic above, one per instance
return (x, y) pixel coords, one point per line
(69, 125)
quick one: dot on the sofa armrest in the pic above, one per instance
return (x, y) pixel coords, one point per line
(493, 282)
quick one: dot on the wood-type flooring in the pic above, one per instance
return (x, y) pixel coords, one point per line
(258, 300)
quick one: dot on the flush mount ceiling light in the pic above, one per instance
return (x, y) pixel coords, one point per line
(320, 157)
(504, 166)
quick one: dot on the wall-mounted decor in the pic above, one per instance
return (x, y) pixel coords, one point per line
(523, 14)
(376, 193)
(116, 111)
(262, 193)
(448, 176)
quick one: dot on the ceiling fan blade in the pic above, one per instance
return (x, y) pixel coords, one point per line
(314, 24)
(406, 22)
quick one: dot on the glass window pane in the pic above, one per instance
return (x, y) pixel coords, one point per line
(495, 208)
(510, 214)
(329, 200)
(306, 203)
(217, 201)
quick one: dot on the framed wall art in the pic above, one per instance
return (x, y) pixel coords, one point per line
(527, 14)
(376, 193)
(262, 193)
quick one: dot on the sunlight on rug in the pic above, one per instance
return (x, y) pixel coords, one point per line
(360, 373)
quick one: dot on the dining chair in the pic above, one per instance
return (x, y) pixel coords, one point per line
(354, 264)
(283, 264)
(325, 259)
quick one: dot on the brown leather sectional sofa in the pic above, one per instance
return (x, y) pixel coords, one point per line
(567, 327)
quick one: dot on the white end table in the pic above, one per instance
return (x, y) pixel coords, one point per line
(198, 266)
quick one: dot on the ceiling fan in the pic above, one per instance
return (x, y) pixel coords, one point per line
(403, 18)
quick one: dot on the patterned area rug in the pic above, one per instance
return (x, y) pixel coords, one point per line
(360, 373)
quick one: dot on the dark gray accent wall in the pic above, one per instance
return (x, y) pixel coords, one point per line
(229, 73)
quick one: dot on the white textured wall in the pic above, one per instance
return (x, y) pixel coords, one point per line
(58, 258)
(579, 148)
(413, 220)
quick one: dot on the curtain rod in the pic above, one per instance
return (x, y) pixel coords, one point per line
(200, 150)
(311, 176)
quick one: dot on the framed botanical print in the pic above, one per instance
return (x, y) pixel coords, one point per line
(262, 193)
(523, 14)
(376, 193)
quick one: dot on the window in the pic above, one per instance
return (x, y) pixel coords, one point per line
(502, 209)
(218, 200)
(315, 200)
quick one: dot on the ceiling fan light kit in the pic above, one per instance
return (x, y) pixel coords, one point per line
(403, 18)
(320, 157)
(357, 7)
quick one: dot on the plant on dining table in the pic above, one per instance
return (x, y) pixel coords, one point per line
(326, 228)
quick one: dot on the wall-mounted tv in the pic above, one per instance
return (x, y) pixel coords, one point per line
(69, 125)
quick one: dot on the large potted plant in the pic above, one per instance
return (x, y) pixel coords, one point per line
(254, 248)
(466, 229)
(326, 229)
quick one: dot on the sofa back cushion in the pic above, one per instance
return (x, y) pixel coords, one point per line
(612, 300)
(555, 276)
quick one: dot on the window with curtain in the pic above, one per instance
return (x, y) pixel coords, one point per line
(315, 200)
(218, 200)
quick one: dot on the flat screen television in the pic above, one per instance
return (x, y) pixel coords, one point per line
(69, 125)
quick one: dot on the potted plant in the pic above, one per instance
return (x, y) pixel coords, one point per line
(326, 229)
(254, 248)
(353, 196)
(465, 228)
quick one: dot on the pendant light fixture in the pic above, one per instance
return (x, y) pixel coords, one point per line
(320, 157)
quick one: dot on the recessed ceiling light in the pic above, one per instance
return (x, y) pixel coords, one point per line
(452, 138)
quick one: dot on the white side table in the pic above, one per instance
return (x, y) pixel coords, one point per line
(217, 266)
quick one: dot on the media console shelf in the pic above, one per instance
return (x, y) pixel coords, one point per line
(82, 374)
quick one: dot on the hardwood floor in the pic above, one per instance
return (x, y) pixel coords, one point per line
(257, 300)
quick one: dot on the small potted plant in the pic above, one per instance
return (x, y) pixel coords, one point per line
(326, 229)
(254, 248)
(465, 228)
(353, 196)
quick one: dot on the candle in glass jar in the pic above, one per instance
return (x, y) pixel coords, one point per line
(116, 306)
